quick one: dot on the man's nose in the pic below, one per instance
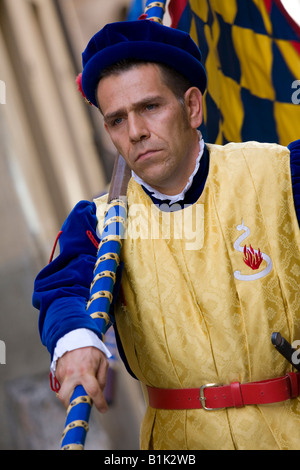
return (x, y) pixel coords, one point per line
(137, 128)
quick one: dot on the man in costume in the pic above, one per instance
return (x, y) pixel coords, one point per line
(188, 315)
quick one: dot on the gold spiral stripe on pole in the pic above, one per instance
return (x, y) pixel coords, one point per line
(156, 19)
(116, 202)
(73, 447)
(155, 4)
(75, 424)
(101, 315)
(98, 276)
(115, 218)
(98, 295)
(107, 257)
(79, 400)
(110, 238)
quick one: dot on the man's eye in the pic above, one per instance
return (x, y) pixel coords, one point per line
(150, 107)
(117, 121)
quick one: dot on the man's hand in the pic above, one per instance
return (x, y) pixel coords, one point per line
(87, 367)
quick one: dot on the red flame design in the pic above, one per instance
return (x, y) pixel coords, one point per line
(251, 258)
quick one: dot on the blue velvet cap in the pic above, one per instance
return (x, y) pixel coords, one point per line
(143, 40)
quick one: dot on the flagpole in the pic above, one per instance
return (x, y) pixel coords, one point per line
(155, 10)
(101, 296)
(105, 273)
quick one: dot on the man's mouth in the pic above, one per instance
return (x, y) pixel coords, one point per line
(146, 154)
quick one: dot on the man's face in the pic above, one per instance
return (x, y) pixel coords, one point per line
(149, 127)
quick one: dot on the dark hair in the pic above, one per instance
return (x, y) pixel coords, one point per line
(174, 80)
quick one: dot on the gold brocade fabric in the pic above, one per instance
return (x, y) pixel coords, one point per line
(196, 313)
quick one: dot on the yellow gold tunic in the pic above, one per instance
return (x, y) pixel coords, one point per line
(196, 313)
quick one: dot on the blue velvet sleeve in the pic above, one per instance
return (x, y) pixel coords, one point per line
(294, 148)
(61, 289)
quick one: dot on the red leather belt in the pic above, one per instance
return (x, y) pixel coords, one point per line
(214, 396)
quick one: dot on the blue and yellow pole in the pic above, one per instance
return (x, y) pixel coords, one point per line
(105, 271)
(155, 10)
(101, 296)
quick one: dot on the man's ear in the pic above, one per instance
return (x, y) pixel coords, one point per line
(193, 102)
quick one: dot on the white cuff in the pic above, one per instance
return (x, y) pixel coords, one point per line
(80, 338)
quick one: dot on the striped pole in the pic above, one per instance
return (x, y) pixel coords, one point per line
(155, 10)
(101, 291)
(101, 296)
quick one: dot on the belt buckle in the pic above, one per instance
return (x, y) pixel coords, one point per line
(202, 397)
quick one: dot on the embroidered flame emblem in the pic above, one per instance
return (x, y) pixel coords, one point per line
(252, 258)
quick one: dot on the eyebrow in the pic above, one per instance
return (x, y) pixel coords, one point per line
(139, 104)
